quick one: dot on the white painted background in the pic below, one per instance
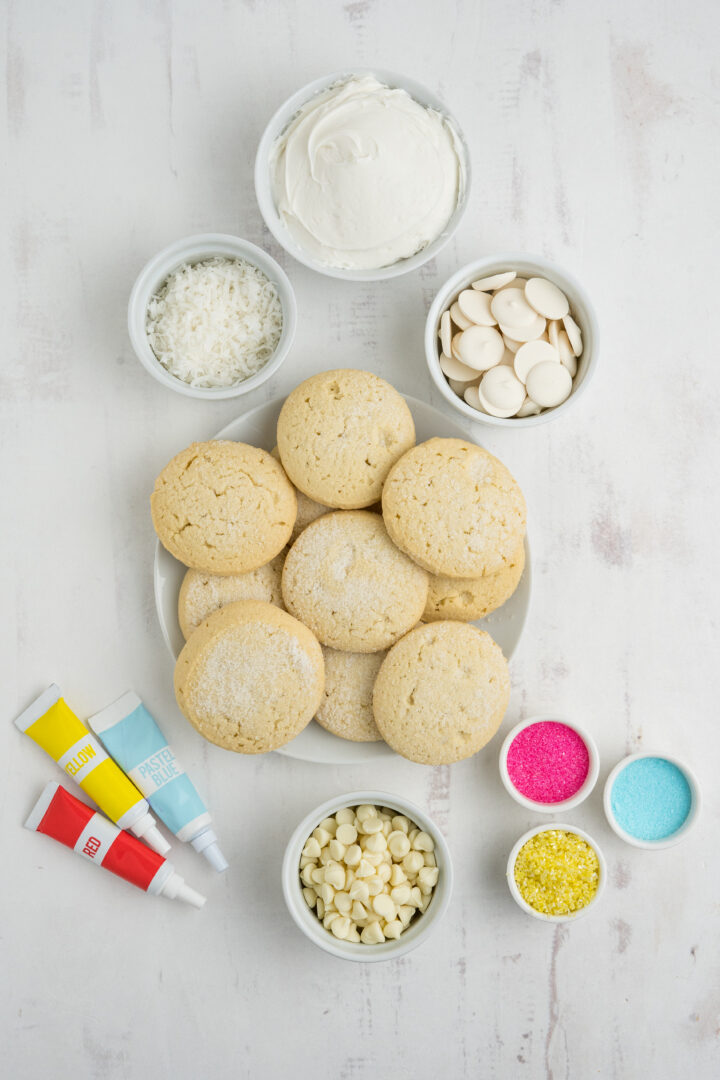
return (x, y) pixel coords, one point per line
(593, 129)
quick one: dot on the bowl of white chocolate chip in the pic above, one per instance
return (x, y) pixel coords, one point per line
(367, 876)
(511, 340)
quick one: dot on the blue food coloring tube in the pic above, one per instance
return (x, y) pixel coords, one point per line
(130, 734)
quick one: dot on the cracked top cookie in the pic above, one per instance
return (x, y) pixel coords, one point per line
(454, 508)
(202, 593)
(338, 435)
(473, 598)
(223, 507)
(250, 678)
(441, 693)
(345, 579)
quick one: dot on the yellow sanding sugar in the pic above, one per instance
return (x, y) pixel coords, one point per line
(557, 872)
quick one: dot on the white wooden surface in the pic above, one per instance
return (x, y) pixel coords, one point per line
(593, 131)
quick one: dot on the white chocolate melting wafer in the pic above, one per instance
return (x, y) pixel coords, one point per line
(510, 308)
(546, 298)
(531, 332)
(566, 354)
(495, 281)
(460, 320)
(446, 332)
(475, 306)
(455, 369)
(532, 353)
(480, 347)
(528, 408)
(574, 334)
(501, 393)
(549, 384)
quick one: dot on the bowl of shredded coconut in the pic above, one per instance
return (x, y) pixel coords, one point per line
(212, 316)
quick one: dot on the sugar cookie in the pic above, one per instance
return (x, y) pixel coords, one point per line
(250, 678)
(473, 598)
(346, 707)
(339, 433)
(307, 509)
(454, 508)
(201, 593)
(441, 693)
(223, 507)
(345, 579)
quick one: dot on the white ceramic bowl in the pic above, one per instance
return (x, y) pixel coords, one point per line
(674, 838)
(566, 804)
(193, 249)
(421, 927)
(263, 186)
(527, 266)
(515, 892)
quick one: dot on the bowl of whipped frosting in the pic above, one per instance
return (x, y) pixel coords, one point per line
(362, 175)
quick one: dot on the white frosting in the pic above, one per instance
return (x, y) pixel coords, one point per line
(364, 175)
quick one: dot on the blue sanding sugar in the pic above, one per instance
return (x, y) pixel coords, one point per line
(651, 798)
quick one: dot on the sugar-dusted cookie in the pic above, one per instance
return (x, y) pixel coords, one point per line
(250, 678)
(454, 508)
(345, 579)
(473, 598)
(223, 507)
(441, 693)
(202, 593)
(339, 433)
(346, 708)
(307, 509)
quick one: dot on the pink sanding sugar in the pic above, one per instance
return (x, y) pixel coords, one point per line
(548, 762)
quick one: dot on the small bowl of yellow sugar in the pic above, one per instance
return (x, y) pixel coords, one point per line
(556, 872)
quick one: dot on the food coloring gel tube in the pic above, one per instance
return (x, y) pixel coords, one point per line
(131, 735)
(54, 726)
(59, 814)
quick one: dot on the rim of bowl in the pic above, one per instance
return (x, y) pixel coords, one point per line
(515, 892)
(687, 825)
(280, 120)
(583, 313)
(196, 249)
(307, 920)
(585, 788)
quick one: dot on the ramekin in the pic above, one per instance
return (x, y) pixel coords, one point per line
(528, 266)
(515, 892)
(306, 919)
(263, 184)
(566, 804)
(194, 249)
(690, 820)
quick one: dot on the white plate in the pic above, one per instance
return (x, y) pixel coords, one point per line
(258, 427)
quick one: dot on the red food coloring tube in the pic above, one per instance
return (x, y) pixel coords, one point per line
(60, 815)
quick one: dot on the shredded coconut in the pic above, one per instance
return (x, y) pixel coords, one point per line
(215, 323)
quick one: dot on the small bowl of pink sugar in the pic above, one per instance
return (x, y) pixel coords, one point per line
(549, 764)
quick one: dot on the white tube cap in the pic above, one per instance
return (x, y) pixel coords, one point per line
(206, 843)
(174, 888)
(146, 829)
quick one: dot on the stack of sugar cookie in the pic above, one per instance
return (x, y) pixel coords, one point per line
(302, 601)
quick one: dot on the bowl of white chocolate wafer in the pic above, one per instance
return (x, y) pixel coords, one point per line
(511, 340)
(367, 876)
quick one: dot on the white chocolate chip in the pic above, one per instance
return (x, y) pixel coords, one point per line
(358, 911)
(309, 897)
(400, 823)
(371, 825)
(322, 836)
(405, 913)
(359, 891)
(460, 320)
(423, 842)
(336, 849)
(501, 393)
(305, 861)
(318, 876)
(546, 298)
(455, 369)
(383, 872)
(475, 306)
(398, 843)
(365, 869)
(510, 308)
(343, 902)
(335, 876)
(480, 347)
(372, 934)
(353, 855)
(397, 875)
(344, 817)
(306, 874)
(365, 811)
(346, 834)
(495, 281)
(445, 336)
(340, 927)
(375, 885)
(415, 897)
(574, 334)
(530, 354)
(400, 893)
(353, 934)
(330, 824)
(327, 893)
(312, 848)
(549, 384)
(393, 929)
(376, 842)
(427, 877)
(384, 906)
(373, 857)
(412, 862)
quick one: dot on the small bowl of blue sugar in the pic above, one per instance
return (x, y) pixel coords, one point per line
(651, 800)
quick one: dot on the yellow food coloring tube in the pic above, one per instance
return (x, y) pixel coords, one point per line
(52, 724)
